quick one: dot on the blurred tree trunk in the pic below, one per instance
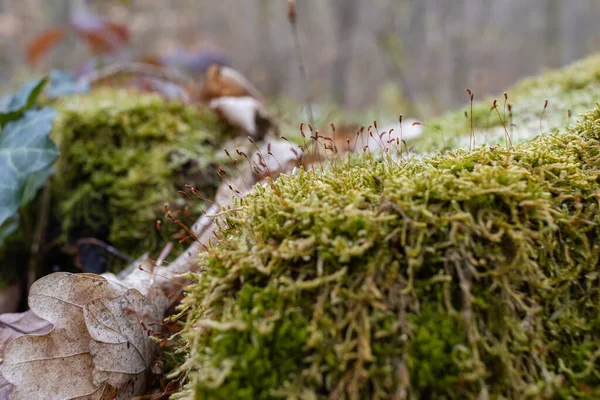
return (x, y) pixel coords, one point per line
(504, 39)
(8, 57)
(416, 38)
(5, 7)
(552, 34)
(272, 73)
(460, 65)
(398, 56)
(571, 46)
(346, 22)
(416, 23)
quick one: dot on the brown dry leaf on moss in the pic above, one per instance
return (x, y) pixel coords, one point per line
(246, 114)
(226, 82)
(236, 101)
(99, 345)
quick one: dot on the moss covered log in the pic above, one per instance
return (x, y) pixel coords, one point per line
(469, 275)
(123, 156)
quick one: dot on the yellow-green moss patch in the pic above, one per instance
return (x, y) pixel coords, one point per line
(123, 156)
(464, 276)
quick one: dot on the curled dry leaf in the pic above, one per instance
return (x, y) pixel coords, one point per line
(237, 101)
(221, 81)
(99, 345)
(244, 113)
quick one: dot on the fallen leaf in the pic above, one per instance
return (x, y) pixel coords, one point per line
(6, 389)
(12, 326)
(221, 81)
(99, 345)
(245, 113)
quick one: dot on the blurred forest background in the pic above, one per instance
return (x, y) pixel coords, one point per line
(420, 54)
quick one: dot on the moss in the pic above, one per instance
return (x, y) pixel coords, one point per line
(123, 156)
(463, 275)
(440, 339)
(574, 88)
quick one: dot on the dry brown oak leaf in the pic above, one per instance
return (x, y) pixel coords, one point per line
(13, 326)
(99, 347)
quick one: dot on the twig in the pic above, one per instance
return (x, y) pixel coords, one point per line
(161, 258)
(204, 229)
(25, 223)
(132, 68)
(38, 236)
(105, 246)
(164, 254)
(292, 16)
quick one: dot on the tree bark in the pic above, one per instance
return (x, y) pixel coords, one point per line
(552, 33)
(346, 12)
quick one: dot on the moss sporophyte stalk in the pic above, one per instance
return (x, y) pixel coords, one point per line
(473, 274)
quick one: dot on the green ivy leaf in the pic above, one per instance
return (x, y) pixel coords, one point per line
(63, 84)
(25, 148)
(34, 183)
(21, 101)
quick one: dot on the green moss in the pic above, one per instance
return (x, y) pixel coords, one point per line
(440, 339)
(456, 276)
(572, 88)
(123, 156)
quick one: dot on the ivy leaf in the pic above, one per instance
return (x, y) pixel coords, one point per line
(25, 148)
(24, 99)
(63, 84)
(99, 347)
(34, 183)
